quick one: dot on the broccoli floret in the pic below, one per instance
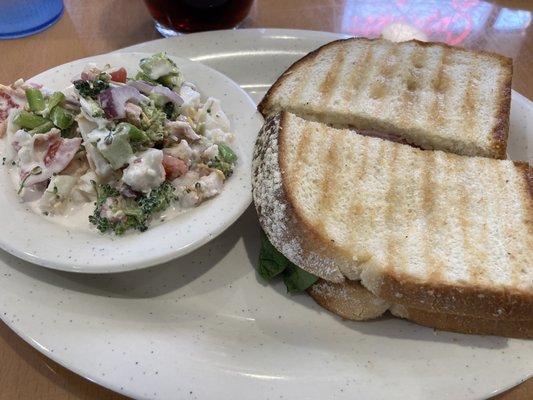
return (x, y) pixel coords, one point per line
(226, 168)
(172, 81)
(103, 192)
(162, 103)
(158, 200)
(90, 88)
(130, 213)
(153, 122)
(225, 160)
(141, 76)
(158, 65)
(158, 68)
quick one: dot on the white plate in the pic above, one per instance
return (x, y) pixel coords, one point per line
(39, 240)
(206, 327)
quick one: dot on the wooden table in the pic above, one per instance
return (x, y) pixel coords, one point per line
(99, 26)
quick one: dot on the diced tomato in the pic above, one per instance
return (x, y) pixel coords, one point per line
(174, 167)
(119, 75)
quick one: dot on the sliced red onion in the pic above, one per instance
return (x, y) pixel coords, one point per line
(171, 95)
(147, 88)
(141, 86)
(113, 100)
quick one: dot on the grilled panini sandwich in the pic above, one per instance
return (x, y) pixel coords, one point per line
(428, 233)
(427, 94)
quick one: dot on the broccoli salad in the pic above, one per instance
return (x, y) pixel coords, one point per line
(124, 151)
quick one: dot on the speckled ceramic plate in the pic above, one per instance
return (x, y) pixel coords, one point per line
(39, 240)
(206, 327)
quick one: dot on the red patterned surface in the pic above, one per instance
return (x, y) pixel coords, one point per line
(450, 21)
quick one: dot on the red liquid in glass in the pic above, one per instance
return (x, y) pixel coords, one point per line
(199, 15)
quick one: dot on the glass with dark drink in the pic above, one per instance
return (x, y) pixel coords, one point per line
(182, 16)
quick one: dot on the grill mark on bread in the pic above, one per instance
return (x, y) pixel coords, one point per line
(484, 232)
(429, 194)
(379, 87)
(306, 73)
(355, 208)
(332, 76)
(436, 108)
(328, 183)
(358, 74)
(468, 108)
(292, 175)
(409, 96)
(475, 272)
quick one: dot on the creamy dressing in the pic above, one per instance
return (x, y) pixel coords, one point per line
(170, 213)
(76, 216)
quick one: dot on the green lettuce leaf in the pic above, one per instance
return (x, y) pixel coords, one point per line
(272, 263)
(296, 279)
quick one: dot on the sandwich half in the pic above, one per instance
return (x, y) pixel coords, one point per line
(427, 94)
(422, 230)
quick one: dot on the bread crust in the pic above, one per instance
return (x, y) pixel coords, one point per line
(264, 106)
(350, 300)
(479, 302)
(462, 324)
(500, 131)
(527, 171)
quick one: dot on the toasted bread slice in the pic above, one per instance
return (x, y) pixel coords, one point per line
(351, 300)
(435, 96)
(348, 299)
(426, 229)
(466, 324)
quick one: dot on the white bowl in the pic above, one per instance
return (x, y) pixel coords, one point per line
(40, 241)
